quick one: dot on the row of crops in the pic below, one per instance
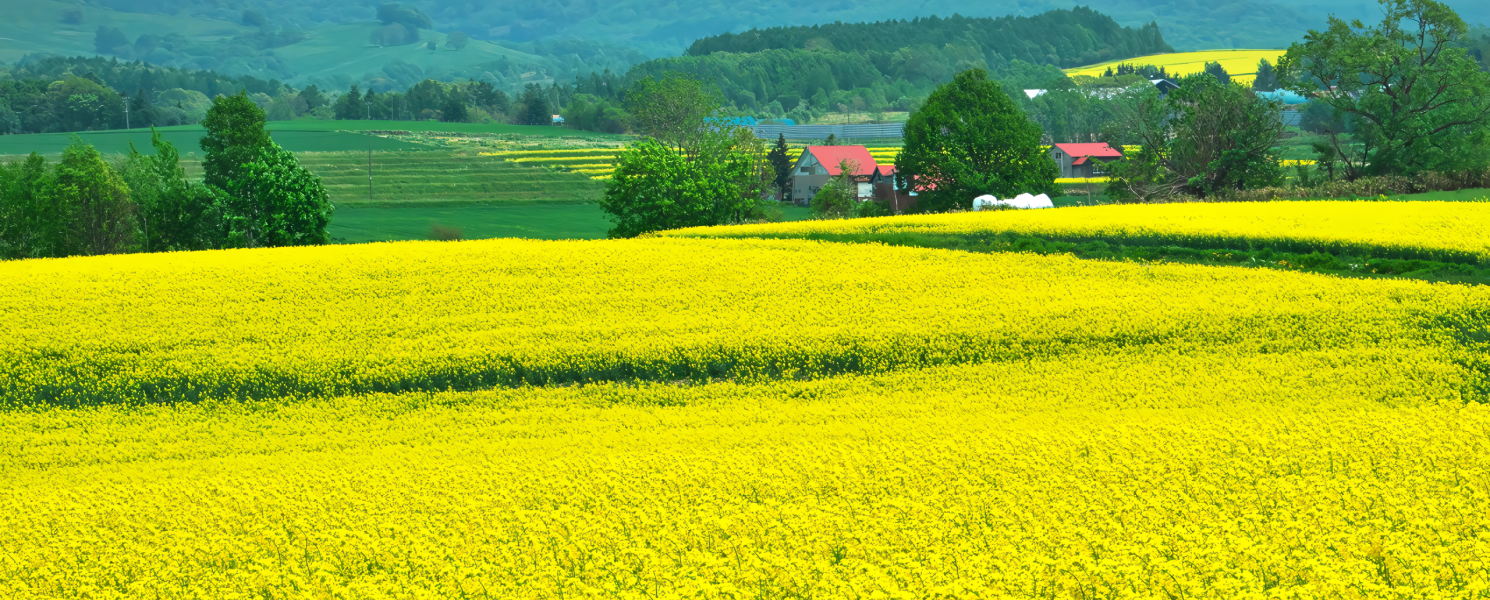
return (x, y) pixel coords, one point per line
(438, 178)
(713, 414)
(1441, 231)
(792, 418)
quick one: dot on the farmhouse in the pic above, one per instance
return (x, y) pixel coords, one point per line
(1083, 160)
(885, 190)
(818, 164)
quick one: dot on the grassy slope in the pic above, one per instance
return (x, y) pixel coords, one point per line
(35, 26)
(445, 179)
(344, 50)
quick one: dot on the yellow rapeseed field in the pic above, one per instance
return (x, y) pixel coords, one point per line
(744, 418)
(1451, 231)
(1240, 64)
(342, 320)
(1354, 474)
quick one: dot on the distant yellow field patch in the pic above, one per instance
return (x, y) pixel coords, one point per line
(1240, 64)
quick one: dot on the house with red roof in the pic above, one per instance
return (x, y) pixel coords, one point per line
(887, 191)
(1083, 160)
(818, 164)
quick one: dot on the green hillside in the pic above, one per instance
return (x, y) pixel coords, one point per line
(36, 26)
(545, 39)
(338, 51)
(444, 179)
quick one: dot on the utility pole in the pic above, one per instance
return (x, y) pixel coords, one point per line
(369, 172)
(126, 112)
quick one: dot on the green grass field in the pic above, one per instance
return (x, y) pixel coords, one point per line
(445, 179)
(544, 222)
(295, 136)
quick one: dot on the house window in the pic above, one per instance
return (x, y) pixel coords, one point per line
(808, 171)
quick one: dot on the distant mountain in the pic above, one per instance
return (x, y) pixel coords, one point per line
(511, 42)
(666, 27)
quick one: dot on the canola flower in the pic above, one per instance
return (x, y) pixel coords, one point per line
(339, 320)
(862, 421)
(1446, 231)
(1343, 473)
(1240, 64)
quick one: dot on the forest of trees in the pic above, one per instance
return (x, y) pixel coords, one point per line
(801, 72)
(55, 94)
(1064, 38)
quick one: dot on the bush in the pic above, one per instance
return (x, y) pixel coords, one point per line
(443, 233)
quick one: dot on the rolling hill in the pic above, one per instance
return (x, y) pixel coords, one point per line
(553, 38)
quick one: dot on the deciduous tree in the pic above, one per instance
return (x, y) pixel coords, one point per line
(1417, 101)
(174, 212)
(270, 199)
(97, 202)
(674, 110)
(970, 139)
(1202, 139)
(656, 187)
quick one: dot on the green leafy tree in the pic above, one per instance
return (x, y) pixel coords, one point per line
(276, 203)
(1214, 69)
(1203, 139)
(454, 110)
(592, 113)
(674, 110)
(970, 139)
(32, 224)
(780, 159)
(1417, 101)
(350, 107)
(1266, 79)
(655, 187)
(535, 107)
(235, 134)
(101, 215)
(836, 198)
(174, 212)
(270, 199)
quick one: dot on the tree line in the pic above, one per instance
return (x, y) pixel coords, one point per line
(1063, 38)
(55, 94)
(254, 194)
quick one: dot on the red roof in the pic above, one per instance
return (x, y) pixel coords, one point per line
(832, 156)
(1092, 150)
(887, 170)
(1079, 161)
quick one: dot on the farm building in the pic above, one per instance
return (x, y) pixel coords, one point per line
(818, 164)
(885, 190)
(1083, 160)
